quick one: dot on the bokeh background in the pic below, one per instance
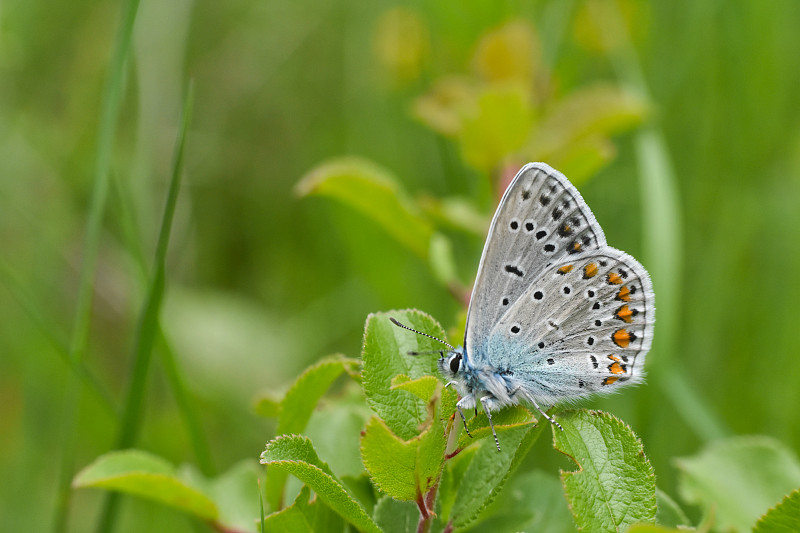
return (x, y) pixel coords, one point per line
(679, 121)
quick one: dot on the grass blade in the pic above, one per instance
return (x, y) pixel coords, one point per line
(148, 329)
(109, 114)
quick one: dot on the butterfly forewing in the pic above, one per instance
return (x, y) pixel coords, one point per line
(542, 220)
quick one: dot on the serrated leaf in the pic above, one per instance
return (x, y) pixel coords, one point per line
(487, 473)
(385, 355)
(532, 501)
(303, 517)
(375, 193)
(423, 388)
(145, 475)
(783, 518)
(508, 418)
(296, 407)
(301, 399)
(498, 125)
(395, 516)
(295, 455)
(615, 484)
(402, 469)
(741, 477)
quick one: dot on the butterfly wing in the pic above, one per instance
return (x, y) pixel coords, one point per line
(582, 326)
(542, 219)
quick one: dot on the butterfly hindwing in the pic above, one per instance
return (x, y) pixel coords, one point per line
(582, 326)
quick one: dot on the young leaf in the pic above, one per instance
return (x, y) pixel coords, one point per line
(395, 516)
(385, 355)
(423, 388)
(295, 455)
(143, 474)
(404, 470)
(374, 192)
(615, 485)
(784, 517)
(741, 477)
(488, 471)
(303, 517)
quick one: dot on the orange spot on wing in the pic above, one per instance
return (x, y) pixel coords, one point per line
(621, 338)
(590, 270)
(624, 294)
(624, 313)
(565, 269)
(614, 358)
(614, 278)
(576, 246)
(616, 368)
(610, 380)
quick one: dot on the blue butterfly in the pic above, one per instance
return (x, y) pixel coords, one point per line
(556, 314)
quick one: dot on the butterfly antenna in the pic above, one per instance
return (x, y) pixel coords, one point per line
(396, 323)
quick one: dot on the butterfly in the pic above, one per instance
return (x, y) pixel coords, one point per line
(555, 314)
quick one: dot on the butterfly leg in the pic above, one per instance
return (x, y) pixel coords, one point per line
(548, 417)
(464, 403)
(484, 401)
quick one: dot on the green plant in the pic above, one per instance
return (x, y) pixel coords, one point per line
(421, 472)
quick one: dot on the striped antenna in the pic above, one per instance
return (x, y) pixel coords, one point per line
(396, 323)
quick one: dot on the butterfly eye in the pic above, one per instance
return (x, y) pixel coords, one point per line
(455, 363)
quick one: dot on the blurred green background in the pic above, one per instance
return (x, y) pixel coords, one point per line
(679, 121)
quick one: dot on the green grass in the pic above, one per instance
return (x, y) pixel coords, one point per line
(117, 333)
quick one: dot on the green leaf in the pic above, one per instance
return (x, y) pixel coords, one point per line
(615, 485)
(295, 455)
(497, 126)
(508, 418)
(653, 528)
(303, 517)
(301, 399)
(783, 518)
(405, 470)
(442, 260)
(740, 476)
(669, 514)
(395, 516)
(596, 111)
(488, 471)
(267, 405)
(423, 388)
(457, 213)
(532, 501)
(296, 407)
(143, 474)
(385, 355)
(375, 193)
